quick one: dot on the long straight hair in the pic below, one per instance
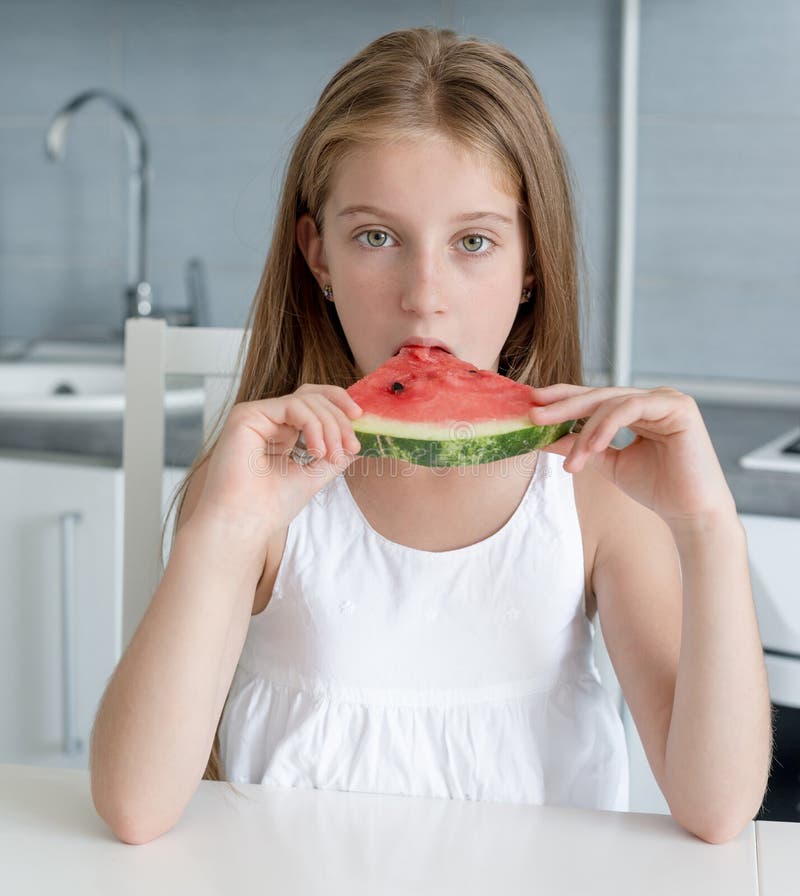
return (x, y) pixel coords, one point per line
(414, 83)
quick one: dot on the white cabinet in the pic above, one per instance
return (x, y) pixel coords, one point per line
(773, 543)
(61, 602)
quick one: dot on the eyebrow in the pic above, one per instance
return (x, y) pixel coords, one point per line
(468, 216)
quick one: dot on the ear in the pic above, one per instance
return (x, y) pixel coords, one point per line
(312, 247)
(530, 279)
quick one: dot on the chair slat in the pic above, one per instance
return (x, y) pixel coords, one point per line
(154, 350)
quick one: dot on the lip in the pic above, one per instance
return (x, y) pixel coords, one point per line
(425, 341)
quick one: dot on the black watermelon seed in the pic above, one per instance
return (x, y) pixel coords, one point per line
(397, 387)
(473, 371)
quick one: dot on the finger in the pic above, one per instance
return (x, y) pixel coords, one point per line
(655, 415)
(601, 429)
(304, 419)
(342, 399)
(331, 430)
(560, 391)
(608, 414)
(578, 406)
(337, 426)
(338, 395)
(547, 394)
(267, 418)
(347, 435)
(351, 406)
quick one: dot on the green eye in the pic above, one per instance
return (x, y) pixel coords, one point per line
(475, 236)
(480, 245)
(380, 235)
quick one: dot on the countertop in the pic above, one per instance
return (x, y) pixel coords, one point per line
(734, 431)
(308, 842)
(97, 442)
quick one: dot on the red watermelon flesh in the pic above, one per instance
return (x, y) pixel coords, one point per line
(429, 407)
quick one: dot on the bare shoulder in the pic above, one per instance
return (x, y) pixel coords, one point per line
(275, 545)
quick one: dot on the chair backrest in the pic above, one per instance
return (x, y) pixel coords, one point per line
(154, 350)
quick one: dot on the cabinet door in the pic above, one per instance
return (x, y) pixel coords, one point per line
(61, 542)
(772, 543)
(60, 594)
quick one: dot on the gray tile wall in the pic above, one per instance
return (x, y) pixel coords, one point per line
(223, 88)
(718, 235)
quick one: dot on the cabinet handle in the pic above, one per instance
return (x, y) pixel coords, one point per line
(71, 743)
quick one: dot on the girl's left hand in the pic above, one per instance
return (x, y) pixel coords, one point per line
(670, 467)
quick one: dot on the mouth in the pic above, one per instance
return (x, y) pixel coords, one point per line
(424, 342)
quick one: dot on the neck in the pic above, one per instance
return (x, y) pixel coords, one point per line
(391, 472)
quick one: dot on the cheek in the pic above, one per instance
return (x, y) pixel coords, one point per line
(363, 281)
(495, 307)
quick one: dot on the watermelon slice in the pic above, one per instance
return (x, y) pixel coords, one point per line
(428, 407)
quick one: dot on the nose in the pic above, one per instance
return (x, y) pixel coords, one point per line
(424, 291)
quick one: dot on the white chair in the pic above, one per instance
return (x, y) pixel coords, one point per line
(153, 351)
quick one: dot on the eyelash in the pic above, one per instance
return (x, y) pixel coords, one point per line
(475, 254)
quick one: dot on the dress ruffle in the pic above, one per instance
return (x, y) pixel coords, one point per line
(509, 750)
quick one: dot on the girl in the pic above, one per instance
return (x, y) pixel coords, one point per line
(428, 631)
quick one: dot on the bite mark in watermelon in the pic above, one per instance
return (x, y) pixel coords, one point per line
(430, 408)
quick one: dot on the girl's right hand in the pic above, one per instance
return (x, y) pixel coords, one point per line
(252, 478)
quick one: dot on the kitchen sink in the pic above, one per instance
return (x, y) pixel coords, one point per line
(74, 389)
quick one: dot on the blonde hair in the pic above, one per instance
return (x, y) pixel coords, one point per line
(411, 83)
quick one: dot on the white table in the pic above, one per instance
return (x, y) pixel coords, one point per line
(326, 842)
(777, 847)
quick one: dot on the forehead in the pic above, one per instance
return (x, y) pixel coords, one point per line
(430, 170)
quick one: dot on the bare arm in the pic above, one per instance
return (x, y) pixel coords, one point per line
(156, 722)
(688, 657)
(718, 748)
(673, 593)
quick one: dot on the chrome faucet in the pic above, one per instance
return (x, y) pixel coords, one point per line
(138, 292)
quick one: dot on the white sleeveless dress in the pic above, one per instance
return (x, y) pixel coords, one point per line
(465, 674)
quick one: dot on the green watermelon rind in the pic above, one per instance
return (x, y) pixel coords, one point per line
(458, 452)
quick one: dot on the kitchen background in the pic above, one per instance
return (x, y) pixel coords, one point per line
(221, 90)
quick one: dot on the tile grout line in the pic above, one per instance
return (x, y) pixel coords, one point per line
(758, 860)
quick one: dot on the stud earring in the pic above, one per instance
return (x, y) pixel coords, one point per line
(328, 290)
(526, 295)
